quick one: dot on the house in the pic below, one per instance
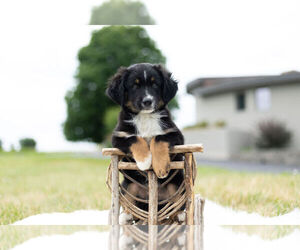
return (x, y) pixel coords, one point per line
(240, 103)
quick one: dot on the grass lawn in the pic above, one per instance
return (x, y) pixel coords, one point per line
(32, 183)
(266, 194)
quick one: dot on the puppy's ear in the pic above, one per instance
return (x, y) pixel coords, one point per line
(115, 89)
(170, 86)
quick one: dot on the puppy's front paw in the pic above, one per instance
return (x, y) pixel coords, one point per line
(161, 166)
(125, 218)
(145, 164)
(141, 154)
(161, 158)
(163, 171)
(181, 216)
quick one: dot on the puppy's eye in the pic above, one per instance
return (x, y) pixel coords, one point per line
(153, 82)
(136, 84)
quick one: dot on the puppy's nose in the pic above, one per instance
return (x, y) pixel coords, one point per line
(147, 102)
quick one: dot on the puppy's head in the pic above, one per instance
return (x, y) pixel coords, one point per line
(142, 87)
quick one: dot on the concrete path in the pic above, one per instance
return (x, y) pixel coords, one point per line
(250, 167)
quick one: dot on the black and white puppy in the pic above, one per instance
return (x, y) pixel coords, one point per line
(145, 127)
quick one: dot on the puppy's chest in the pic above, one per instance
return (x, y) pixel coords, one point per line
(148, 125)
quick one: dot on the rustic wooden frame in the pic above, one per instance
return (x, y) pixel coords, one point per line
(194, 209)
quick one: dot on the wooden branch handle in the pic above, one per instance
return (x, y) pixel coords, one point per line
(133, 166)
(190, 148)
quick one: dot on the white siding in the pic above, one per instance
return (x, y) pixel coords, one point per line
(285, 106)
(219, 144)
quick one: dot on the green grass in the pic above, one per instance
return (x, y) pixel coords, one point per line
(266, 194)
(32, 183)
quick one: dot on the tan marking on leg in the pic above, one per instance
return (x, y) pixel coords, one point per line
(136, 191)
(141, 154)
(172, 188)
(133, 189)
(140, 149)
(160, 158)
(179, 216)
(163, 193)
(167, 191)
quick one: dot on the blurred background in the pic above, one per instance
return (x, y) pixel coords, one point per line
(237, 64)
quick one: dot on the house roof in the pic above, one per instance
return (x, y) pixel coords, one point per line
(212, 86)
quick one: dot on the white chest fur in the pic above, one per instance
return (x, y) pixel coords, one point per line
(148, 125)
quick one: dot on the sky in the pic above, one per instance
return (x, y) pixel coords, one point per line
(39, 41)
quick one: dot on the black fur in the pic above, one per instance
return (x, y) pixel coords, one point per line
(169, 85)
(127, 88)
(116, 87)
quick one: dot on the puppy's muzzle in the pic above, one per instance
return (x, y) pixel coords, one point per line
(147, 103)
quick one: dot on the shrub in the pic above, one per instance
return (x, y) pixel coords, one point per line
(27, 144)
(220, 124)
(203, 124)
(273, 134)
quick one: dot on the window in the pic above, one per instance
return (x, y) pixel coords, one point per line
(263, 99)
(240, 101)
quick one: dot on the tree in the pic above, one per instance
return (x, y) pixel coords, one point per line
(121, 12)
(27, 144)
(109, 48)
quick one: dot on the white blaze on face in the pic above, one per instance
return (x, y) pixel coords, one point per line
(145, 75)
(148, 96)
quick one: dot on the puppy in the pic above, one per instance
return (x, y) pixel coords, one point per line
(145, 128)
